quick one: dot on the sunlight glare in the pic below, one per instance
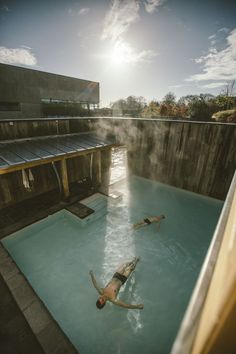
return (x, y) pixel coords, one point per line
(121, 54)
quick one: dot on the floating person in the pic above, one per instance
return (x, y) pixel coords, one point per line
(148, 221)
(111, 290)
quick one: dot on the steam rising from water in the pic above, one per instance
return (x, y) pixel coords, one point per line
(118, 165)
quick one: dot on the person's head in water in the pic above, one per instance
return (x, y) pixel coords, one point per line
(101, 302)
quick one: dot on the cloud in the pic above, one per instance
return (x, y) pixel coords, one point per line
(119, 18)
(212, 37)
(76, 12)
(218, 64)
(151, 5)
(83, 11)
(22, 56)
(26, 47)
(214, 85)
(179, 85)
(146, 56)
(224, 29)
(124, 13)
(121, 15)
(123, 52)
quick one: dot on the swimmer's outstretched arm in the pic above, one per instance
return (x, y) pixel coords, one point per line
(127, 306)
(99, 290)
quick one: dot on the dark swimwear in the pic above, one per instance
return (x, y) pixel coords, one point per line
(147, 221)
(121, 277)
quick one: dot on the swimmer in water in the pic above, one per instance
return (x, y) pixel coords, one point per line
(111, 290)
(148, 221)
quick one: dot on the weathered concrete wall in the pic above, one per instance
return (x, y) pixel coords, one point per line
(199, 157)
(19, 129)
(27, 87)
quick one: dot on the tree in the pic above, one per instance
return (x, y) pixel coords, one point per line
(228, 116)
(104, 112)
(169, 98)
(165, 109)
(187, 99)
(199, 109)
(229, 88)
(151, 110)
(131, 106)
(225, 102)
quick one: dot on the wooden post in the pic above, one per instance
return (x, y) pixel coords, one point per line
(99, 167)
(64, 177)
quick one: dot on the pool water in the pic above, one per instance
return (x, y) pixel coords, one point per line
(57, 253)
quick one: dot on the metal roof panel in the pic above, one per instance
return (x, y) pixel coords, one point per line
(24, 151)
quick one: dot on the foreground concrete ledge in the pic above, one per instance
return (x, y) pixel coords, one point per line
(44, 327)
(190, 324)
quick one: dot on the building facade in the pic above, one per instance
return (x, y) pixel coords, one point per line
(27, 93)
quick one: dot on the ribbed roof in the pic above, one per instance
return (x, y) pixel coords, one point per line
(25, 151)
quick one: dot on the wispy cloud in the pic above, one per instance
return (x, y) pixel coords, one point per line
(212, 37)
(179, 86)
(22, 56)
(218, 64)
(83, 11)
(119, 18)
(123, 52)
(152, 5)
(224, 29)
(214, 85)
(75, 12)
(121, 15)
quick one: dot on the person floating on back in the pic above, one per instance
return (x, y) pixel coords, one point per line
(148, 221)
(111, 290)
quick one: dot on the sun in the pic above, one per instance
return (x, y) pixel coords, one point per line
(121, 54)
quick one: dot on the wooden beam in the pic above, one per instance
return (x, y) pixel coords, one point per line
(64, 177)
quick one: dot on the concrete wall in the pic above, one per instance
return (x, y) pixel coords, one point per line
(28, 87)
(19, 129)
(199, 157)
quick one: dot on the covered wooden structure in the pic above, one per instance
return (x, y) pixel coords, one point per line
(22, 154)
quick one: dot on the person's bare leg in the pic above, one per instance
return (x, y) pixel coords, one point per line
(129, 267)
(138, 225)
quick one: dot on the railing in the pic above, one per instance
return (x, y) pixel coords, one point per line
(224, 240)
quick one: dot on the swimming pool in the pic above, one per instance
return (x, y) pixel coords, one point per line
(57, 253)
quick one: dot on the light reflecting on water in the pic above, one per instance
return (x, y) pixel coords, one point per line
(119, 242)
(118, 164)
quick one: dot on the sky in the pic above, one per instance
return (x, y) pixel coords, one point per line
(131, 47)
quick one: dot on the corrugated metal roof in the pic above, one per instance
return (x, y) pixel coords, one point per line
(24, 151)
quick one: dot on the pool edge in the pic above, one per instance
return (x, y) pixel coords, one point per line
(44, 327)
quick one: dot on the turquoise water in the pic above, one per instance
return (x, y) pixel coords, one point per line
(57, 253)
